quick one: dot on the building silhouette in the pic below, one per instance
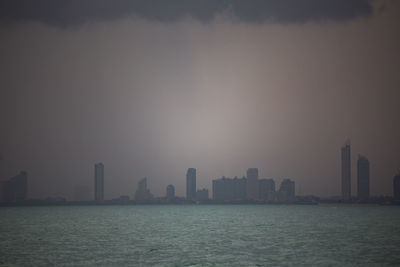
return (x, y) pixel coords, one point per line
(362, 178)
(239, 188)
(170, 191)
(99, 182)
(346, 171)
(252, 184)
(286, 191)
(396, 186)
(15, 189)
(191, 184)
(202, 194)
(266, 189)
(228, 189)
(142, 192)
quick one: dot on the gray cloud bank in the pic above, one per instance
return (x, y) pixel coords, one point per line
(65, 13)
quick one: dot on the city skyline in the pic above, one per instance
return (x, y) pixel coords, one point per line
(249, 188)
(257, 189)
(199, 132)
(215, 88)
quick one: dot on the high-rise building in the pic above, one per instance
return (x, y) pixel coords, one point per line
(286, 191)
(252, 184)
(266, 189)
(362, 178)
(142, 193)
(239, 188)
(396, 187)
(170, 191)
(142, 185)
(16, 188)
(191, 184)
(227, 189)
(99, 182)
(222, 189)
(346, 172)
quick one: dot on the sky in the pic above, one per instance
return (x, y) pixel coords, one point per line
(151, 88)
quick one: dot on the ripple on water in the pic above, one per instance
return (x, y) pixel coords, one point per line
(212, 235)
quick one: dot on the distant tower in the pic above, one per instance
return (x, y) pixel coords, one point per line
(266, 189)
(99, 182)
(191, 184)
(346, 172)
(142, 185)
(252, 184)
(362, 177)
(396, 186)
(287, 190)
(170, 191)
(142, 193)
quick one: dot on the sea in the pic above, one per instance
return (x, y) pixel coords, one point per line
(200, 235)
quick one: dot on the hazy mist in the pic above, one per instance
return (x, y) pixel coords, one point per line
(149, 97)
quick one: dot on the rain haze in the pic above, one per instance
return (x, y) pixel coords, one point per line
(151, 89)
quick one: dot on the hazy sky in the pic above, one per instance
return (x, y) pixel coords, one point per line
(151, 88)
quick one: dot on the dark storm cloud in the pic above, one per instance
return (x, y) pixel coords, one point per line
(64, 13)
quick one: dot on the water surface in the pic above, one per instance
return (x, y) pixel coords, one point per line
(213, 235)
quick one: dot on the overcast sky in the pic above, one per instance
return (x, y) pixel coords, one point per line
(151, 88)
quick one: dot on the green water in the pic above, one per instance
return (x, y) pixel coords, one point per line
(211, 235)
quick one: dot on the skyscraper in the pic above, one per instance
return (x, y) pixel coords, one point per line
(170, 191)
(362, 177)
(142, 193)
(99, 182)
(191, 184)
(286, 191)
(396, 186)
(346, 172)
(228, 189)
(266, 189)
(252, 184)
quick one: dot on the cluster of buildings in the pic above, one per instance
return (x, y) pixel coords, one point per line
(143, 194)
(226, 190)
(249, 188)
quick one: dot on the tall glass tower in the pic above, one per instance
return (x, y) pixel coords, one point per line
(346, 171)
(252, 184)
(191, 184)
